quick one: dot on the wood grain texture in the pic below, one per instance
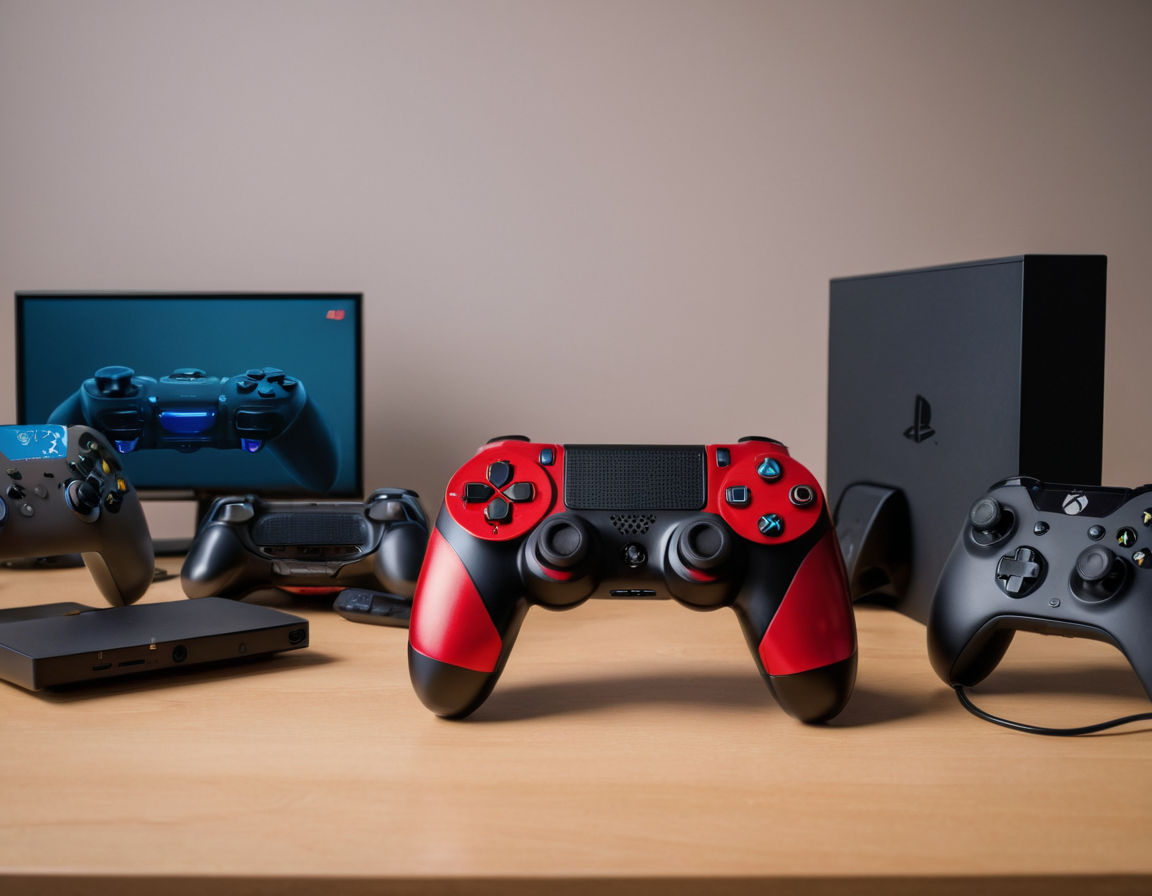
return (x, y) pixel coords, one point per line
(627, 746)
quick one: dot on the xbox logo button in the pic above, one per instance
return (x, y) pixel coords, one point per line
(1075, 502)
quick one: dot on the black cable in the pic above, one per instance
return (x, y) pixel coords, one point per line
(1036, 729)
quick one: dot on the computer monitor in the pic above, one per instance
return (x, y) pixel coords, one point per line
(203, 393)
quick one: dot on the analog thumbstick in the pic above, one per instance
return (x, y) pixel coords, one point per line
(562, 543)
(115, 381)
(990, 520)
(83, 497)
(1094, 564)
(704, 544)
(1099, 574)
(985, 514)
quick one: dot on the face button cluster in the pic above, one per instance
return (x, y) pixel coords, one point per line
(263, 382)
(1128, 537)
(766, 497)
(257, 425)
(97, 483)
(1142, 557)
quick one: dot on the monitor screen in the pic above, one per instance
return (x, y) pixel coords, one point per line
(203, 393)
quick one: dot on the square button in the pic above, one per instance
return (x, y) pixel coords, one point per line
(738, 495)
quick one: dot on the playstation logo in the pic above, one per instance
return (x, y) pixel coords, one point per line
(1075, 502)
(920, 430)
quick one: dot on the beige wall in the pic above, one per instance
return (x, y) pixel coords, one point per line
(578, 220)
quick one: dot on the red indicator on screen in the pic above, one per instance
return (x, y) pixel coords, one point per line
(335, 314)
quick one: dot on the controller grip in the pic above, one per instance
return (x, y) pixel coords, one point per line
(456, 652)
(216, 564)
(123, 566)
(121, 581)
(808, 651)
(964, 643)
(307, 449)
(399, 557)
(1140, 656)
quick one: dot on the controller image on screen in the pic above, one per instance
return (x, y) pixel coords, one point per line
(1053, 559)
(188, 410)
(65, 493)
(741, 525)
(247, 543)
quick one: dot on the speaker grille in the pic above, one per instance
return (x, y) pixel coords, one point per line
(634, 477)
(632, 523)
(310, 529)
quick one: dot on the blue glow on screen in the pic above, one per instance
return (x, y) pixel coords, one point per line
(315, 338)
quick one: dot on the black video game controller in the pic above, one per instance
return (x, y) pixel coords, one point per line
(247, 543)
(63, 493)
(188, 410)
(1052, 559)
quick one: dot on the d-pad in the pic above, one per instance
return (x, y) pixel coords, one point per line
(1020, 573)
(499, 493)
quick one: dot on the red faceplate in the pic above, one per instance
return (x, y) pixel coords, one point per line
(449, 620)
(745, 458)
(814, 625)
(766, 497)
(526, 467)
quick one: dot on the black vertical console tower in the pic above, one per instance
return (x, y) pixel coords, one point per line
(943, 381)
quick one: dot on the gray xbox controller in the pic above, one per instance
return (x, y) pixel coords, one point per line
(1053, 559)
(65, 493)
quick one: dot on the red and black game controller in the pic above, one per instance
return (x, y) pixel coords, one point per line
(741, 525)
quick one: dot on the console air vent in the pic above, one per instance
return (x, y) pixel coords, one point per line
(632, 523)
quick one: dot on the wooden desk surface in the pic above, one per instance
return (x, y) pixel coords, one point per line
(628, 747)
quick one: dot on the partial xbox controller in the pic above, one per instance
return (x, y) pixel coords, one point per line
(1053, 559)
(65, 493)
(188, 410)
(247, 543)
(742, 526)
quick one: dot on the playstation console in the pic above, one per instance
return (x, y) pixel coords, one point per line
(944, 380)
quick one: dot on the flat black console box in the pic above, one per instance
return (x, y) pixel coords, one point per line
(71, 644)
(944, 380)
